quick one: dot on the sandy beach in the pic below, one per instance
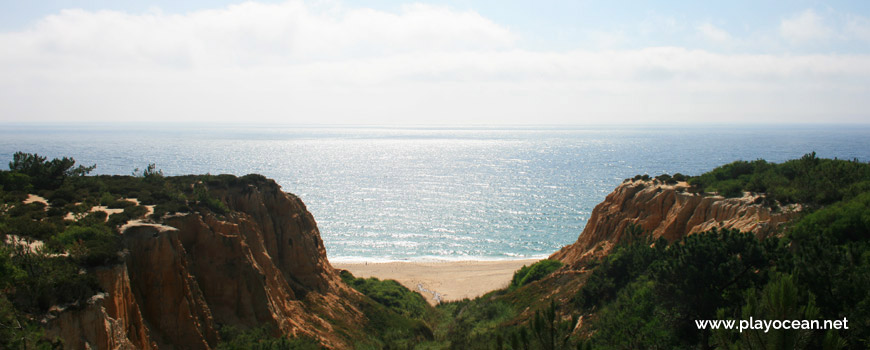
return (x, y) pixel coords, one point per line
(446, 281)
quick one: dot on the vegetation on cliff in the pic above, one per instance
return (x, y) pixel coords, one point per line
(55, 231)
(809, 180)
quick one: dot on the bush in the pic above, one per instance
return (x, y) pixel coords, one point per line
(29, 227)
(120, 204)
(389, 293)
(46, 174)
(730, 189)
(44, 281)
(13, 181)
(233, 338)
(809, 180)
(667, 179)
(537, 271)
(90, 245)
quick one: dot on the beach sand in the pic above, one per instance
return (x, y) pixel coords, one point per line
(453, 280)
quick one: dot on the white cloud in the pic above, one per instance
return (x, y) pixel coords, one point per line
(806, 26)
(716, 34)
(857, 27)
(255, 33)
(290, 63)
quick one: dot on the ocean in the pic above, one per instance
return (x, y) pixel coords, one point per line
(435, 193)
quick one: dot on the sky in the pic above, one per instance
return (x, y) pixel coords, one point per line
(439, 62)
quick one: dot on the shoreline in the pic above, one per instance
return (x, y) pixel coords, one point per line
(442, 280)
(430, 259)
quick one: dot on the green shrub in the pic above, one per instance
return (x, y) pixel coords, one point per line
(45, 174)
(46, 281)
(233, 338)
(537, 271)
(26, 226)
(389, 293)
(107, 198)
(832, 260)
(808, 180)
(619, 268)
(120, 204)
(14, 181)
(90, 245)
(730, 189)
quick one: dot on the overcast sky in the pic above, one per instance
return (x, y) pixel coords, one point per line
(441, 62)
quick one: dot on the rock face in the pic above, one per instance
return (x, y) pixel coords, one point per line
(110, 320)
(667, 211)
(262, 263)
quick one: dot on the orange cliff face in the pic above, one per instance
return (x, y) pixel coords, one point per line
(263, 263)
(668, 211)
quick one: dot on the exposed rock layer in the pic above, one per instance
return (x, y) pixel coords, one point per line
(110, 320)
(670, 212)
(262, 263)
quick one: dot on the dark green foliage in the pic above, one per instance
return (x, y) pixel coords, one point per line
(476, 324)
(389, 293)
(233, 338)
(397, 316)
(631, 259)
(708, 271)
(254, 179)
(549, 331)
(171, 207)
(781, 299)
(130, 213)
(643, 177)
(832, 258)
(41, 280)
(46, 174)
(667, 179)
(206, 200)
(636, 320)
(15, 181)
(120, 204)
(390, 330)
(538, 270)
(150, 172)
(90, 245)
(730, 188)
(94, 218)
(649, 295)
(29, 220)
(16, 331)
(20, 332)
(809, 180)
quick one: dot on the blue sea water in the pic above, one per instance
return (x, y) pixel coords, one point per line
(418, 193)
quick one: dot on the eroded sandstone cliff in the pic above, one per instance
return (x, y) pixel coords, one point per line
(671, 212)
(260, 263)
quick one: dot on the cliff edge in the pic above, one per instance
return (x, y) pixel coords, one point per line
(668, 211)
(182, 278)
